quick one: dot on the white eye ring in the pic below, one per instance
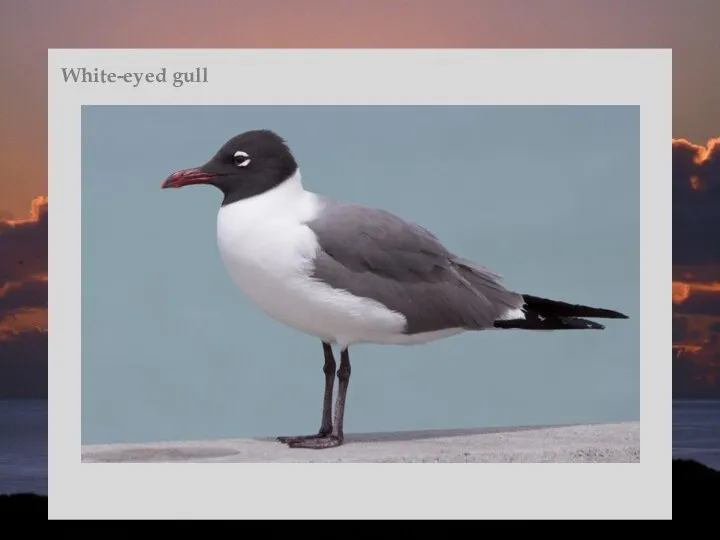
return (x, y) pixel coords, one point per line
(241, 159)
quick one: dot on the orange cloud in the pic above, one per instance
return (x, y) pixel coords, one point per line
(37, 206)
(700, 156)
(681, 291)
(22, 321)
(701, 153)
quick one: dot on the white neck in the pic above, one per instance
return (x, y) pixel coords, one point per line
(286, 201)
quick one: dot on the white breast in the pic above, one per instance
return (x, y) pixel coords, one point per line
(268, 251)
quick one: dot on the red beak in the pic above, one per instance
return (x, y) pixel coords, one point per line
(187, 177)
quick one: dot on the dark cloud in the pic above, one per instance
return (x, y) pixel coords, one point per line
(679, 329)
(23, 267)
(23, 295)
(23, 245)
(23, 365)
(696, 261)
(696, 202)
(699, 303)
(695, 375)
(696, 274)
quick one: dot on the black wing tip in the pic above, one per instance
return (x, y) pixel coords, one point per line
(562, 323)
(592, 325)
(608, 314)
(565, 309)
(576, 323)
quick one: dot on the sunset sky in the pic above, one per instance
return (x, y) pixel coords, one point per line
(29, 27)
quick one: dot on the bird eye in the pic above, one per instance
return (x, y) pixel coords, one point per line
(241, 159)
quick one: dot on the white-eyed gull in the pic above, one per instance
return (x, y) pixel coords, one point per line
(347, 273)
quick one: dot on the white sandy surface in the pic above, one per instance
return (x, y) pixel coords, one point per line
(618, 443)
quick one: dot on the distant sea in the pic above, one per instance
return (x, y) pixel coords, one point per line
(696, 430)
(23, 446)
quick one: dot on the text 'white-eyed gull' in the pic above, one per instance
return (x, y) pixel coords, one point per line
(346, 273)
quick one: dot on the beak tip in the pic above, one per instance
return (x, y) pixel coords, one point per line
(186, 177)
(172, 181)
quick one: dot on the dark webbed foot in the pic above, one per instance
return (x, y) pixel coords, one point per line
(316, 443)
(295, 438)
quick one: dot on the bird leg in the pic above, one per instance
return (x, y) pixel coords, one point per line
(326, 424)
(336, 437)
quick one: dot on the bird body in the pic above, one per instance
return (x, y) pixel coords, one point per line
(269, 250)
(346, 273)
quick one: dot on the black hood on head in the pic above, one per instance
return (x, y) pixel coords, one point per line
(247, 165)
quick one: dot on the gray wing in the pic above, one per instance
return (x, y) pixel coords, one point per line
(375, 254)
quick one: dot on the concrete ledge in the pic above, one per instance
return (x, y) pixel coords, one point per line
(608, 443)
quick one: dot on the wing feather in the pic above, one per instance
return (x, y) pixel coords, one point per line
(376, 254)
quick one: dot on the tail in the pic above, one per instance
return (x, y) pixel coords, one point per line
(544, 314)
